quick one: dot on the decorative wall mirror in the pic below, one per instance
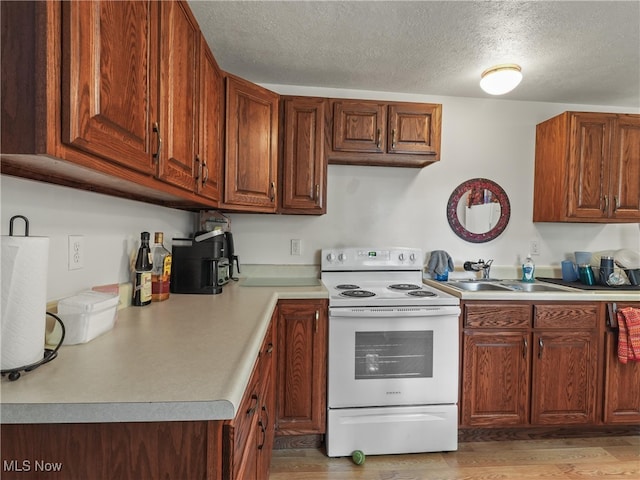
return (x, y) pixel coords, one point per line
(478, 210)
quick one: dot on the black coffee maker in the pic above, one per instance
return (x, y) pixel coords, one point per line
(199, 264)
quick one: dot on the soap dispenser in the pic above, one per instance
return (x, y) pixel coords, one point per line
(528, 269)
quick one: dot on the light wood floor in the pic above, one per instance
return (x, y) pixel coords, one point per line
(608, 458)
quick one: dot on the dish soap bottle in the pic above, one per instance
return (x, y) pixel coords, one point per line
(528, 268)
(142, 273)
(161, 269)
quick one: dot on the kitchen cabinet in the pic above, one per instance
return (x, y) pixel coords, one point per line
(529, 363)
(495, 364)
(211, 128)
(368, 132)
(251, 162)
(303, 157)
(587, 168)
(621, 382)
(248, 439)
(302, 367)
(108, 97)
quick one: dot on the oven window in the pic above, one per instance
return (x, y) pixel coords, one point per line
(393, 354)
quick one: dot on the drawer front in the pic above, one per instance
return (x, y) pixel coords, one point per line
(498, 315)
(566, 316)
(247, 415)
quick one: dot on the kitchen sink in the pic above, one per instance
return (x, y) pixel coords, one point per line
(478, 286)
(485, 285)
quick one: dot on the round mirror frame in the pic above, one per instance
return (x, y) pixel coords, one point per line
(452, 210)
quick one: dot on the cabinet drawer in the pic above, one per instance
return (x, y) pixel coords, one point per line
(566, 316)
(499, 315)
(247, 415)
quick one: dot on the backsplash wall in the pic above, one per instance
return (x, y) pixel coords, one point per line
(381, 206)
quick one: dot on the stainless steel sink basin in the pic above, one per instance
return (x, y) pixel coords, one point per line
(534, 287)
(478, 286)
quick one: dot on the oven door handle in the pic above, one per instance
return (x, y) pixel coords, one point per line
(394, 311)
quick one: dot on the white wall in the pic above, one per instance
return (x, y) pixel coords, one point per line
(110, 226)
(375, 206)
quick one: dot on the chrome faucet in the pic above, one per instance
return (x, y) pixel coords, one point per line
(478, 266)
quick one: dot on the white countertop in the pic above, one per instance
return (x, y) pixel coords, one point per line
(188, 358)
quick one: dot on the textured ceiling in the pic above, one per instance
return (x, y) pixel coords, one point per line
(569, 51)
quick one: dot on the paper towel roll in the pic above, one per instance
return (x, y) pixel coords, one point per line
(24, 300)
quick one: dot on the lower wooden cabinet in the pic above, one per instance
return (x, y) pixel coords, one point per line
(621, 382)
(302, 367)
(530, 364)
(248, 438)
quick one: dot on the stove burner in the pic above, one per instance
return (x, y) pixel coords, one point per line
(347, 286)
(422, 293)
(357, 293)
(404, 286)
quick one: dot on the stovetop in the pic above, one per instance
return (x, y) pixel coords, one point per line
(366, 277)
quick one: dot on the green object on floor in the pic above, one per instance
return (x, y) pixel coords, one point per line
(358, 457)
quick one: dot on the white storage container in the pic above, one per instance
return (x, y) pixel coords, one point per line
(87, 315)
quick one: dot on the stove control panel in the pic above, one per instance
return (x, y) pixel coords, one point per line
(371, 259)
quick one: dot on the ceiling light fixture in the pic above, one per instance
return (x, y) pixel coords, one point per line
(501, 79)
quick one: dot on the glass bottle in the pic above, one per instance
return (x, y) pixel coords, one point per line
(161, 272)
(142, 273)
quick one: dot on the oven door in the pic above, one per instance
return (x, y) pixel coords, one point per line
(393, 356)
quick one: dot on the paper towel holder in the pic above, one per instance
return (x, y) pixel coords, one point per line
(49, 354)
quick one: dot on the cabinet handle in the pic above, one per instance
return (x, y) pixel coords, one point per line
(616, 203)
(156, 129)
(273, 191)
(316, 321)
(393, 138)
(252, 410)
(606, 203)
(541, 344)
(264, 426)
(270, 348)
(198, 168)
(317, 197)
(205, 177)
(525, 346)
(379, 138)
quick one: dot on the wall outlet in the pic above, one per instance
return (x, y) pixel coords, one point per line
(534, 247)
(296, 246)
(76, 252)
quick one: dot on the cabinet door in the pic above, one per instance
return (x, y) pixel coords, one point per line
(359, 126)
(210, 145)
(178, 94)
(622, 386)
(304, 166)
(495, 378)
(251, 154)
(589, 151)
(302, 370)
(414, 128)
(108, 80)
(564, 378)
(625, 169)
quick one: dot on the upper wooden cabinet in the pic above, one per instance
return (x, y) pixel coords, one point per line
(385, 133)
(303, 159)
(110, 94)
(210, 156)
(251, 158)
(178, 121)
(587, 168)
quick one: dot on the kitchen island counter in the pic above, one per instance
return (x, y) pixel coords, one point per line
(188, 358)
